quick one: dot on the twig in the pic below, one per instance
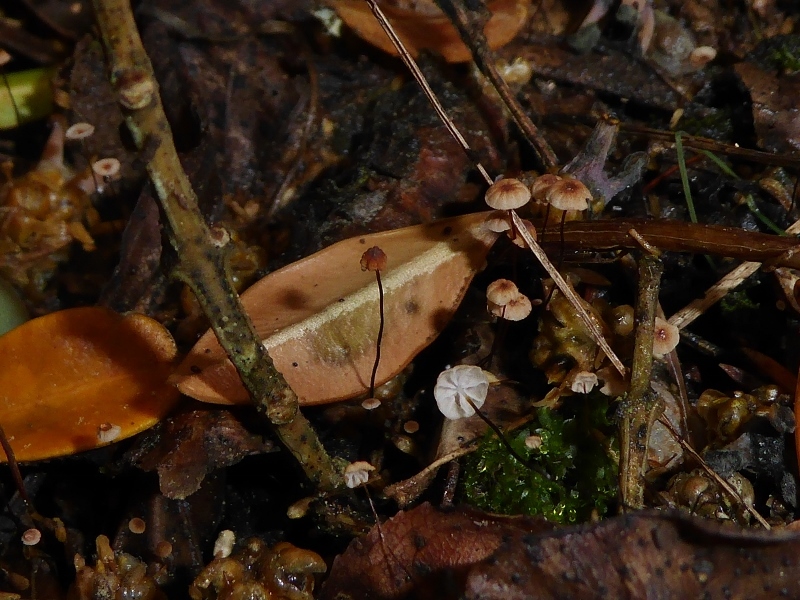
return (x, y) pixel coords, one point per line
(411, 65)
(568, 292)
(202, 256)
(470, 25)
(713, 474)
(719, 290)
(638, 407)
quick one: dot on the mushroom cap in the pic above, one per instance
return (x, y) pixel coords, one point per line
(456, 387)
(507, 194)
(665, 337)
(541, 184)
(517, 239)
(106, 167)
(498, 221)
(79, 131)
(501, 292)
(584, 382)
(515, 309)
(370, 404)
(357, 473)
(568, 194)
(373, 259)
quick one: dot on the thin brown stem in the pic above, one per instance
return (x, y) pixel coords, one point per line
(380, 337)
(13, 465)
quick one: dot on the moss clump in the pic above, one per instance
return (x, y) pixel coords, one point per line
(567, 478)
(738, 301)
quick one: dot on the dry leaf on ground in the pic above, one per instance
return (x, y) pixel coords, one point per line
(70, 372)
(319, 317)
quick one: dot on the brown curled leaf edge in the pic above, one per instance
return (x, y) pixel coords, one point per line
(319, 317)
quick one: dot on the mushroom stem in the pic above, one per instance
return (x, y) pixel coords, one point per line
(380, 336)
(15, 472)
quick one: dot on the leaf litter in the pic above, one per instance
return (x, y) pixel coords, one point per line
(375, 159)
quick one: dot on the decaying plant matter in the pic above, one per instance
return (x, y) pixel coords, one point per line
(306, 147)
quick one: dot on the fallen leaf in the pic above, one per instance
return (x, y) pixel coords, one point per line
(425, 27)
(193, 444)
(67, 373)
(319, 317)
(463, 553)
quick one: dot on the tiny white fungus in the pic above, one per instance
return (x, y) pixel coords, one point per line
(357, 473)
(456, 387)
(223, 546)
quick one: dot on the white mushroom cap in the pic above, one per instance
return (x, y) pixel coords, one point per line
(584, 382)
(569, 194)
(79, 131)
(357, 473)
(501, 292)
(701, 56)
(541, 184)
(106, 167)
(507, 194)
(665, 337)
(515, 309)
(456, 387)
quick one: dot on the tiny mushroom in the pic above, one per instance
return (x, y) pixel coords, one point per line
(137, 525)
(460, 391)
(568, 194)
(515, 309)
(584, 382)
(665, 337)
(79, 131)
(31, 537)
(517, 239)
(357, 473)
(507, 194)
(107, 168)
(498, 221)
(223, 546)
(108, 432)
(542, 184)
(501, 292)
(370, 404)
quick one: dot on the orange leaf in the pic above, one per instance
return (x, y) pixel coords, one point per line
(67, 373)
(427, 28)
(319, 317)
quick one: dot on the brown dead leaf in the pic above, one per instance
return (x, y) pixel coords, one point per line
(67, 373)
(319, 317)
(425, 27)
(642, 555)
(193, 444)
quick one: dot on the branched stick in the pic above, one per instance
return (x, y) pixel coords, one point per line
(201, 253)
(638, 407)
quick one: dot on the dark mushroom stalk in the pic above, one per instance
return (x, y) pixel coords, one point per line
(375, 259)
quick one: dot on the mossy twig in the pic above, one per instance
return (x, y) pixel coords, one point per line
(201, 252)
(638, 408)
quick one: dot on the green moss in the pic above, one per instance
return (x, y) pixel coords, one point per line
(570, 474)
(738, 300)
